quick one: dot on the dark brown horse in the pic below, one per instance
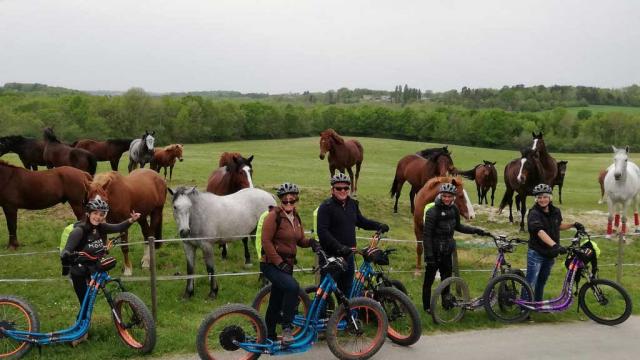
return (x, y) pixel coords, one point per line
(548, 162)
(343, 154)
(486, 177)
(143, 191)
(32, 190)
(59, 154)
(521, 176)
(559, 181)
(29, 150)
(110, 150)
(417, 170)
(427, 195)
(166, 158)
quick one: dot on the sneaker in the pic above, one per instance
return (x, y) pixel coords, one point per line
(76, 342)
(287, 336)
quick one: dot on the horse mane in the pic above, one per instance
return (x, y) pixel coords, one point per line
(433, 182)
(433, 153)
(332, 133)
(102, 180)
(15, 138)
(184, 190)
(120, 141)
(50, 136)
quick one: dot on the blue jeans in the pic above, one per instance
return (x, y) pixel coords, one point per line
(538, 271)
(283, 298)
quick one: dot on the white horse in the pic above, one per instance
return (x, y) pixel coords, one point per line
(141, 150)
(621, 187)
(222, 219)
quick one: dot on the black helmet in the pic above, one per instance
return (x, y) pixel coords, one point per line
(287, 188)
(542, 189)
(447, 188)
(340, 178)
(97, 204)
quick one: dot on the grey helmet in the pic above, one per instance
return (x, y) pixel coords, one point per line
(97, 204)
(340, 178)
(448, 188)
(287, 188)
(542, 189)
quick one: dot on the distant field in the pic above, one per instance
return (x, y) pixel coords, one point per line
(606, 108)
(294, 160)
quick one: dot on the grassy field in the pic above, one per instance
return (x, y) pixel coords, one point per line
(606, 109)
(294, 160)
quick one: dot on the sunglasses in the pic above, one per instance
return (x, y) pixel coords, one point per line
(289, 202)
(341, 188)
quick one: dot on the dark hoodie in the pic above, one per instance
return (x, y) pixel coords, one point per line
(440, 222)
(550, 222)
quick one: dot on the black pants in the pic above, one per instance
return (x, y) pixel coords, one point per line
(80, 284)
(344, 280)
(444, 264)
(284, 298)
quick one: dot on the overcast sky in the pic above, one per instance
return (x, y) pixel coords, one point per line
(280, 46)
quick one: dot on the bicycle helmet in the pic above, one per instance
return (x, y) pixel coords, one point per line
(287, 188)
(340, 178)
(542, 189)
(97, 204)
(447, 188)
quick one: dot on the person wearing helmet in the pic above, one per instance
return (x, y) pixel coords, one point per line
(544, 223)
(282, 232)
(338, 217)
(440, 222)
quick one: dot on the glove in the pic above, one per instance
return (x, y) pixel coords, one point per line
(285, 268)
(578, 226)
(384, 228)
(481, 232)
(315, 246)
(344, 251)
(559, 249)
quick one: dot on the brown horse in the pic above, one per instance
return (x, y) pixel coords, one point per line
(143, 191)
(110, 150)
(549, 164)
(343, 154)
(417, 170)
(24, 189)
(601, 176)
(29, 150)
(59, 154)
(428, 194)
(521, 176)
(559, 180)
(486, 177)
(166, 157)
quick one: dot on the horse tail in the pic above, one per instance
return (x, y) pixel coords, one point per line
(93, 164)
(394, 187)
(505, 198)
(469, 174)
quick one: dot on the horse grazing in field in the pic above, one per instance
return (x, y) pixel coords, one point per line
(559, 181)
(58, 154)
(621, 188)
(521, 176)
(110, 150)
(143, 191)
(417, 170)
(427, 195)
(221, 219)
(486, 177)
(32, 190)
(141, 150)
(29, 150)
(343, 154)
(166, 157)
(549, 164)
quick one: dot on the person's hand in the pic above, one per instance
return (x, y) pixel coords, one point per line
(559, 249)
(578, 226)
(285, 268)
(384, 228)
(134, 216)
(315, 246)
(481, 232)
(344, 251)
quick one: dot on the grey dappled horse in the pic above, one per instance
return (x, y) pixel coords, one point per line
(222, 219)
(141, 150)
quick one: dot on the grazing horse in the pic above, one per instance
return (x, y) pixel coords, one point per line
(29, 150)
(58, 154)
(549, 164)
(32, 190)
(559, 180)
(110, 150)
(428, 194)
(486, 177)
(521, 176)
(141, 150)
(417, 170)
(143, 191)
(621, 188)
(166, 157)
(343, 154)
(221, 219)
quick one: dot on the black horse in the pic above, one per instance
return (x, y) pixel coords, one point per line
(29, 150)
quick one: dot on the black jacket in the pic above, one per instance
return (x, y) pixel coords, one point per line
(549, 222)
(440, 222)
(337, 224)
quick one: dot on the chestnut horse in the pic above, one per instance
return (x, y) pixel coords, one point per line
(110, 150)
(343, 154)
(427, 195)
(486, 177)
(32, 190)
(166, 157)
(559, 181)
(143, 191)
(59, 154)
(29, 150)
(549, 164)
(417, 170)
(521, 176)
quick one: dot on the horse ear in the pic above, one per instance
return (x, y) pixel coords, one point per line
(153, 132)
(250, 159)
(493, 163)
(533, 134)
(614, 148)
(170, 191)
(627, 148)
(192, 190)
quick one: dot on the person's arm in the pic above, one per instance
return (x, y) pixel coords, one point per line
(327, 241)
(427, 232)
(115, 228)
(268, 233)
(75, 236)
(303, 242)
(364, 223)
(465, 229)
(546, 238)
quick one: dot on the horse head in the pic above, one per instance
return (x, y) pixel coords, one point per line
(538, 143)
(49, 135)
(178, 151)
(327, 140)
(243, 172)
(444, 164)
(529, 165)
(562, 168)
(462, 201)
(148, 140)
(100, 185)
(182, 204)
(620, 160)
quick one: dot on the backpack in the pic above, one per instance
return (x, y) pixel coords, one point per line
(426, 208)
(64, 237)
(263, 216)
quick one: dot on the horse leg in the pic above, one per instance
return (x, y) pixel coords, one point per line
(144, 226)
(170, 173)
(207, 251)
(247, 255)
(354, 188)
(114, 164)
(224, 250)
(130, 167)
(493, 191)
(412, 196)
(190, 255)
(128, 268)
(560, 192)
(156, 224)
(611, 209)
(358, 165)
(479, 191)
(419, 251)
(165, 172)
(523, 211)
(12, 221)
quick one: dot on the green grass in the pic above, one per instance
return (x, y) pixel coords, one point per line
(606, 109)
(294, 160)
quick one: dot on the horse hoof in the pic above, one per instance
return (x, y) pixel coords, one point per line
(127, 272)
(608, 236)
(187, 296)
(248, 265)
(144, 264)
(417, 273)
(13, 247)
(212, 296)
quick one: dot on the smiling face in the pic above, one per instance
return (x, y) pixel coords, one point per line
(288, 202)
(97, 217)
(341, 190)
